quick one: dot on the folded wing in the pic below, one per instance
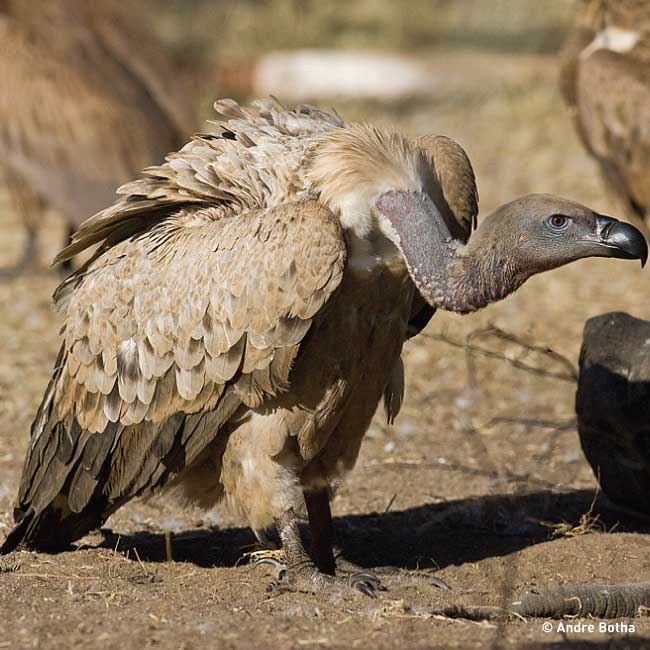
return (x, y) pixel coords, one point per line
(167, 336)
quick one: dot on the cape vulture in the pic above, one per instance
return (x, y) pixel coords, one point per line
(245, 314)
(605, 79)
(87, 99)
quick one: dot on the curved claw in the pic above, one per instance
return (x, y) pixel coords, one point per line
(365, 588)
(366, 583)
(276, 564)
(366, 577)
(274, 585)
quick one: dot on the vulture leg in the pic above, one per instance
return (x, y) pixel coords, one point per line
(300, 573)
(322, 530)
(323, 549)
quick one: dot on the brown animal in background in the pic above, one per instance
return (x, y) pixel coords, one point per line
(87, 99)
(613, 407)
(246, 311)
(605, 79)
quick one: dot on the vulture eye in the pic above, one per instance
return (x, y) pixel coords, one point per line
(558, 222)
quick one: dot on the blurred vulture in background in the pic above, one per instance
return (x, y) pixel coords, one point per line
(245, 314)
(613, 407)
(87, 99)
(605, 79)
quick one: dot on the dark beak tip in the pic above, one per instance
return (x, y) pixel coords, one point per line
(628, 241)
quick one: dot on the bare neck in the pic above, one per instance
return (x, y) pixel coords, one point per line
(464, 277)
(449, 274)
(476, 277)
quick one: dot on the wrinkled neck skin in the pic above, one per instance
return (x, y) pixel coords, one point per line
(469, 277)
(450, 275)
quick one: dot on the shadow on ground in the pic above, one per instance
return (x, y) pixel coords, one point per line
(435, 535)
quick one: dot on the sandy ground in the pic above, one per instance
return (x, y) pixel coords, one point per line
(480, 482)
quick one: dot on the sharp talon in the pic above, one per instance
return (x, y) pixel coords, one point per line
(362, 576)
(441, 584)
(277, 587)
(365, 588)
(280, 567)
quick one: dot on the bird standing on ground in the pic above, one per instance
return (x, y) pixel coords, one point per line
(605, 79)
(87, 99)
(246, 310)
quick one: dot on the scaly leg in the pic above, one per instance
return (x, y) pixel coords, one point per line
(300, 573)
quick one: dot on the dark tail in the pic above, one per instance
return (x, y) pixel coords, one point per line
(16, 536)
(53, 529)
(43, 517)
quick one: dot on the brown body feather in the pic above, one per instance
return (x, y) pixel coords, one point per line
(605, 80)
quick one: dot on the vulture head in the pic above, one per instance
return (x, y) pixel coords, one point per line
(382, 185)
(527, 236)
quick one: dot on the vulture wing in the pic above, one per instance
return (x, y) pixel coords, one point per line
(167, 337)
(101, 112)
(613, 96)
(251, 163)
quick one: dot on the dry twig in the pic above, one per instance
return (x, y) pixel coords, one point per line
(570, 372)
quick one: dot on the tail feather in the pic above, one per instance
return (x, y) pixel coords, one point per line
(74, 479)
(55, 527)
(15, 538)
(43, 516)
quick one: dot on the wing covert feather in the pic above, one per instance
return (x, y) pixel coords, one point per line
(165, 342)
(158, 328)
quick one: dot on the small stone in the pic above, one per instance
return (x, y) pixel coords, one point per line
(571, 457)
(406, 428)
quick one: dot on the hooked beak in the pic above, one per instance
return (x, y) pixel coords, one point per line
(620, 239)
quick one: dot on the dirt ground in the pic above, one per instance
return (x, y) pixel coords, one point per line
(481, 481)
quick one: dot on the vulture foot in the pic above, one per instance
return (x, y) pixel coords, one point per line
(305, 576)
(390, 573)
(302, 573)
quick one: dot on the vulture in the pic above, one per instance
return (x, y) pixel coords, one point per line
(87, 100)
(245, 312)
(613, 407)
(605, 80)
